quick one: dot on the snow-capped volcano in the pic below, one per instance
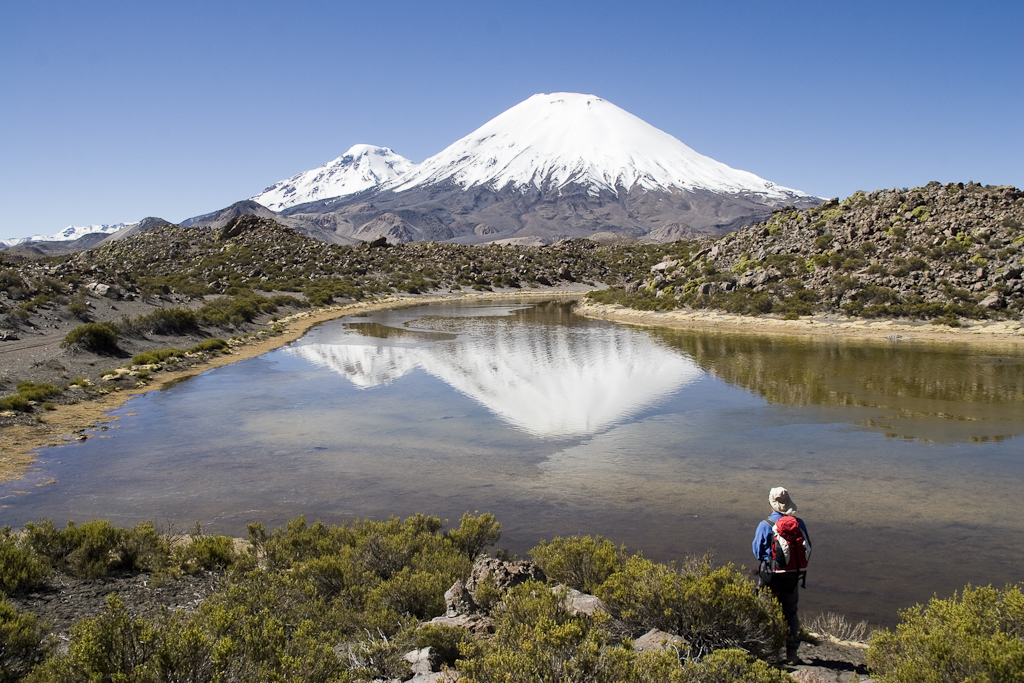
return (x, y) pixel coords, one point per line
(68, 234)
(556, 166)
(358, 169)
(552, 140)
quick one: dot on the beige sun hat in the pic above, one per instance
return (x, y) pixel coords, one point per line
(780, 501)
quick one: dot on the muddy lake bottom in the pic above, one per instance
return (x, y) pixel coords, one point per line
(903, 459)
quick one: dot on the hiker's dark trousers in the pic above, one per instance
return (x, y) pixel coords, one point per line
(785, 588)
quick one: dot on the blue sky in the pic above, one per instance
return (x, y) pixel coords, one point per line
(113, 111)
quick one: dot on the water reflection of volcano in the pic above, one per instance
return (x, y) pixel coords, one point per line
(550, 381)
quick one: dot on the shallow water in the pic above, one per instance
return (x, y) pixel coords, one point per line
(904, 459)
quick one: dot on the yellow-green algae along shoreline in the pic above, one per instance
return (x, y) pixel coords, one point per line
(68, 422)
(1008, 333)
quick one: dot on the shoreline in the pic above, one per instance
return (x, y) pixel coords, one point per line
(68, 423)
(1008, 333)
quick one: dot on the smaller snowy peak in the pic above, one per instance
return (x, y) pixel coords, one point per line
(68, 234)
(552, 140)
(360, 168)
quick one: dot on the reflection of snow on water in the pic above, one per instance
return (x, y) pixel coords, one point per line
(563, 382)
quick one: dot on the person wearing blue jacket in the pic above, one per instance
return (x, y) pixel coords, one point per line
(783, 586)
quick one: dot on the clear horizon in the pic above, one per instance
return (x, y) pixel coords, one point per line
(116, 111)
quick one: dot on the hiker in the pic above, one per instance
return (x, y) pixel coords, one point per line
(783, 572)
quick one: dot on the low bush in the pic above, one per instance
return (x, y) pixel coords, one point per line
(730, 666)
(974, 636)
(205, 552)
(583, 563)
(94, 337)
(20, 568)
(168, 321)
(447, 642)
(22, 643)
(211, 344)
(79, 309)
(537, 638)
(117, 647)
(95, 548)
(15, 402)
(711, 608)
(474, 534)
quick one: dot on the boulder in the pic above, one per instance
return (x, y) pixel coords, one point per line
(422, 661)
(584, 603)
(993, 300)
(458, 600)
(477, 624)
(659, 640)
(504, 575)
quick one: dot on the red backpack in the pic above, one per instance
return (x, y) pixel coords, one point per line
(788, 548)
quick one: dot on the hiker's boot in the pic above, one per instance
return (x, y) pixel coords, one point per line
(792, 658)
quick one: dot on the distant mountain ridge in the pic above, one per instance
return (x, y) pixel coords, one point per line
(362, 167)
(68, 234)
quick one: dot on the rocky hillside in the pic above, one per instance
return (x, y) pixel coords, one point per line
(940, 252)
(934, 252)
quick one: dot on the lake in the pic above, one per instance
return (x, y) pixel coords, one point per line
(904, 458)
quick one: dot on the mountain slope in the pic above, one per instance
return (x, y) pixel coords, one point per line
(550, 141)
(557, 166)
(360, 168)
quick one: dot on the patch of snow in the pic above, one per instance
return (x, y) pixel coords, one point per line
(552, 140)
(360, 168)
(72, 232)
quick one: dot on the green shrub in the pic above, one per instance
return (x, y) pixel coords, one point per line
(117, 647)
(206, 553)
(731, 666)
(95, 337)
(37, 391)
(20, 568)
(537, 638)
(22, 643)
(976, 636)
(711, 608)
(211, 344)
(143, 548)
(168, 321)
(475, 533)
(15, 402)
(583, 563)
(446, 641)
(96, 547)
(79, 309)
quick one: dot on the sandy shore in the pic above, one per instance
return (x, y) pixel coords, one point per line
(977, 332)
(69, 422)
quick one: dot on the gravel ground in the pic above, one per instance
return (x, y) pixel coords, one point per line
(62, 600)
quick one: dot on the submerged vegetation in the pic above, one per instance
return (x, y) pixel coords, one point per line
(316, 602)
